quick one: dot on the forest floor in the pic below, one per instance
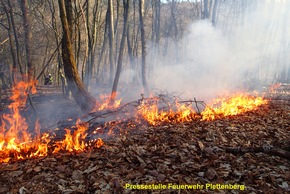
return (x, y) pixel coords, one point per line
(165, 157)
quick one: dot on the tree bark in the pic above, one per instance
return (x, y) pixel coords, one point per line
(17, 45)
(9, 29)
(143, 46)
(84, 100)
(205, 10)
(157, 23)
(111, 38)
(173, 21)
(214, 12)
(27, 38)
(126, 4)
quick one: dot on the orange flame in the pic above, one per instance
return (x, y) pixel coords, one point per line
(106, 103)
(17, 143)
(14, 135)
(75, 141)
(176, 114)
(185, 113)
(233, 106)
(99, 143)
(274, 87)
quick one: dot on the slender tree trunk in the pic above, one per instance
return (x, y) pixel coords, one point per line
(130, 51)
(214, 12)
(10, 35)
(143, 46)
(27, 38)
(57, 40)
(15, 38)
(85, 62)
(157, 23)
(95, 32)
(103, 47)
(205, 10)
(126, 5)
(174, 24)
(116, 31)
(111, 39)
(85, 101)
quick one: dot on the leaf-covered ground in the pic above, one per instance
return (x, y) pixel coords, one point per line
(184, 154)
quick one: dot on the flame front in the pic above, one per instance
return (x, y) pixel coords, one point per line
(17, 143)
(106, 102)
(14, 130)
(220, 108)
(232, 106)
(155, 115)
(73, 141)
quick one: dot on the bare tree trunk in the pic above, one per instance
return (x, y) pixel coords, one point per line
(15, 38)
(143, 46)
(57, 40)
(111, 38)
(116, 31)
(86, 62)
(130, 51)
(214, 12)
(10, 34)
(27, 38)
(174, 23)
(85, 101)
(95, 35)
(101, 55)
(205, 10)
(126, 5)
(90, 44)
(157, 23)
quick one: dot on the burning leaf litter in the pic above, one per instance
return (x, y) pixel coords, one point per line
(167, 153)
(17, 143)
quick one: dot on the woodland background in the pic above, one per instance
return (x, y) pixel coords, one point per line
(143, 39)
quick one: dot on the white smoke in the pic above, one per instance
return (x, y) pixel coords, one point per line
(248, 49)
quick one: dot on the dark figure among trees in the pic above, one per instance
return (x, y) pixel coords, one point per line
(48, 80)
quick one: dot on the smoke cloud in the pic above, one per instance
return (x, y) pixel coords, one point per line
(249, 48)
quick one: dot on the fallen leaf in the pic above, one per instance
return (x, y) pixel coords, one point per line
(210, 174)
(201, 146)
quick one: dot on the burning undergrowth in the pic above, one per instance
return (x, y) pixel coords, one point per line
(107, 120)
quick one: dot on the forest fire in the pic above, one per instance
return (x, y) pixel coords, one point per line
(105, 103)
(16, 142)
(13, 130)
(176, 113)
(232, 106)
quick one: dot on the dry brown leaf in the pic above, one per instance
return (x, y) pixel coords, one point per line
(134, 175)
(37, 168)
(210, 174)
(161, 177)
(201, 145)
(16, 173)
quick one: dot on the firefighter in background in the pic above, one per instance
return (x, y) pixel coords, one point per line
(48, 80)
